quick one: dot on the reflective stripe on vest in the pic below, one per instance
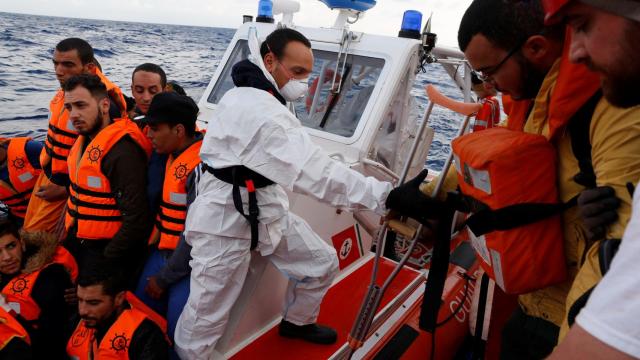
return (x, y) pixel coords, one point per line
(19, 289)
(489, 114)
(22, 177)
(92, 204)
(10, 329)
(61, 135)
(115, 343)
(173, 207)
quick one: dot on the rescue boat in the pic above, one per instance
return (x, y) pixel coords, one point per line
(362, 112)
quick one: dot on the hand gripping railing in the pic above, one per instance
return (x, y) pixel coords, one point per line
(371, 302)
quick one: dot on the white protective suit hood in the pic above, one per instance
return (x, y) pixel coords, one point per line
(256, 58)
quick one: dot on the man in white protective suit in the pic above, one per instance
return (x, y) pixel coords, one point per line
(253, 151)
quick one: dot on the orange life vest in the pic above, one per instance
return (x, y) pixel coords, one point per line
(61, 134)
(19, 289)
(115, 343)
(10, 328)
(173, 206)
(489, 114)
(520, 255)
(22, 178)
(91, 204)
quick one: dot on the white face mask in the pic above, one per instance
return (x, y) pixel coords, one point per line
(295, 89)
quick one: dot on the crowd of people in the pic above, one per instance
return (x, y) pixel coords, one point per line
(130, 231)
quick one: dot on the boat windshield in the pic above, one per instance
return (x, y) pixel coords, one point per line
(325, 110)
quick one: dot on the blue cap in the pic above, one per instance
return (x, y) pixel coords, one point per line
(265, 8)
(411, 21)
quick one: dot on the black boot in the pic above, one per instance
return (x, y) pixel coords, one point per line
(312, 333)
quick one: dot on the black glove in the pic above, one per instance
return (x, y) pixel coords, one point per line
(597, 208)
(408, 200)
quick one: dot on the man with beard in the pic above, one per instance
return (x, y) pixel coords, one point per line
(71, 57)
(508, 46)
(604, 37)
(107, 212)
(112, 324)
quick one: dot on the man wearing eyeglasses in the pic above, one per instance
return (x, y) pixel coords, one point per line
(510, 48)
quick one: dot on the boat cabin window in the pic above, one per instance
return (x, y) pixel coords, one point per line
(225, 83)
(338, 111)
(321, 108)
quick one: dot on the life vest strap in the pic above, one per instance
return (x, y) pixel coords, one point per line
(173, 206)
(53, 154)
(18, 203)
(17, 196)
(83, 191)
(57, 130)
(75, 201)
(164, 230)
(57, 143)
(607, 249)
(170, 219)
(579, 128)
(241, 176)
(486, 221)
(76, 215)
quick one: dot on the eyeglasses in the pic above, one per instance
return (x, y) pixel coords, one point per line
(488, 72)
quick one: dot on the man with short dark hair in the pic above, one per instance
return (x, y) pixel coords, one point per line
(508, 45)
(107, 212)
(71, 57)
(255, 146)
(521, 57)
(147, 80)
(113, 323)
(604, 37)
(164, 283)
(34, 274)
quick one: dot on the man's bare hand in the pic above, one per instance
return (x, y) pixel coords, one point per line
(52, 192)
(153, 289)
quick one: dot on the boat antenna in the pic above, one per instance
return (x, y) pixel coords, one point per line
(429, 40)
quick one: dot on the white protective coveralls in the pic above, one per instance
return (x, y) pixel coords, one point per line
(251, 127)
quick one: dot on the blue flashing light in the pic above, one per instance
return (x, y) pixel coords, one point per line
(411, 21)
(265, 8)
(356, 5)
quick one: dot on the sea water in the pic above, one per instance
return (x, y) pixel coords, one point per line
(189, 55)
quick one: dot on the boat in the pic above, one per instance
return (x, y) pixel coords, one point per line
(360, 112)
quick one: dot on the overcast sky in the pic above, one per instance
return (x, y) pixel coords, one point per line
(385, 18)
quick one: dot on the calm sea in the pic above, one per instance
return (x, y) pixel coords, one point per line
(188, 54)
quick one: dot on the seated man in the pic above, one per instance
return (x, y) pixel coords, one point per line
(19, 171)
(107, 212)
(34, 273)
(112, 324)
(164, 284)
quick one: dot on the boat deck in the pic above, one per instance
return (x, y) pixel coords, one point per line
(338, 310)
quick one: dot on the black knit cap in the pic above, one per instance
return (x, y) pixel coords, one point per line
(172, 108)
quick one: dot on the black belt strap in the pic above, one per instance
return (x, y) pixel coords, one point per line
(607, 249)
(486, 220)
(240, 176)
(438, 270)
